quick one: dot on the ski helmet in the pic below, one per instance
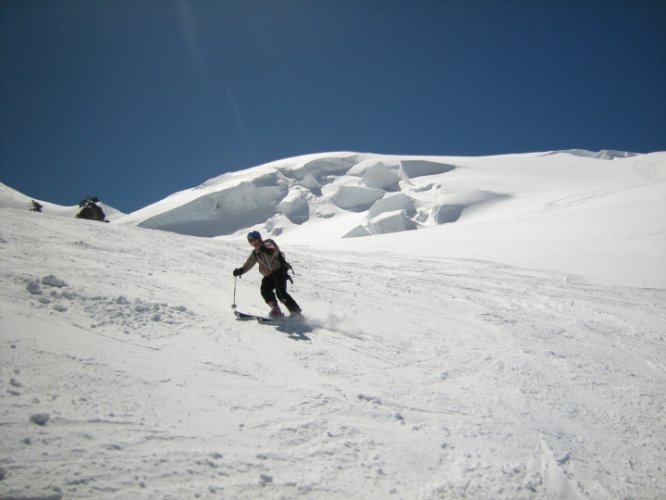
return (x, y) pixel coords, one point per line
(254, 235)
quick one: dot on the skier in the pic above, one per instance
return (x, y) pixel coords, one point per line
(274, 269)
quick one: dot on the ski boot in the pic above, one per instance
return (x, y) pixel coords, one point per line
(275, 312)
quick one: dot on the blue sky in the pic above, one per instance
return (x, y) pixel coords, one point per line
(132, 100)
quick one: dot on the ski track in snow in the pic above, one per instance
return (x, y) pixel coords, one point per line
(411, 378)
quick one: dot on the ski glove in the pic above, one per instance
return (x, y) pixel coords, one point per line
(238, 271)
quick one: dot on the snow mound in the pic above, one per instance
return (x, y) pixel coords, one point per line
(394, 202)
(356, 198)
(422, 168)
(224, 211)
(386, 222)
(315, 173)
(391, 222)
(381, 177)
(295, 206)
(321, 167)
(449, 207)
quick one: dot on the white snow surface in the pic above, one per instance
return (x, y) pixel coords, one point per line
(489, 328)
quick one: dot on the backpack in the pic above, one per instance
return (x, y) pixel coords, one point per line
(283, 260)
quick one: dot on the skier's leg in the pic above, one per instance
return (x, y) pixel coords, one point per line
(267, 292)
(267, 287)
(283, 295)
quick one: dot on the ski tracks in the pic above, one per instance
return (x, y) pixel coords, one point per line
(431, 378)
(485, 357)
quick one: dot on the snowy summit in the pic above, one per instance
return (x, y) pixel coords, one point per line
(475, 327)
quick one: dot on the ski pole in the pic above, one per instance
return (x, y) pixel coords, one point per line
(233, 306)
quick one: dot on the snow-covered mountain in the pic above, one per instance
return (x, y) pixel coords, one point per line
(599, 215)
(385, 193)
(476, 328)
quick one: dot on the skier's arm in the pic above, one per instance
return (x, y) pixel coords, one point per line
(249, 263)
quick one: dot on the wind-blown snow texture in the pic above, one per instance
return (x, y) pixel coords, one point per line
(497, 333)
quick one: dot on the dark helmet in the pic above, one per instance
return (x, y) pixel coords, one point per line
(254, 235)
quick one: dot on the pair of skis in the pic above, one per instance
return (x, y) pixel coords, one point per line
(247, 317)
(262, 319)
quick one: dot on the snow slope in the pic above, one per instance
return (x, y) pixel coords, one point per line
(426, 368)
(559, 211)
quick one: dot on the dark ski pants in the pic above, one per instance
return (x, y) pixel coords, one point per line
(276, 283)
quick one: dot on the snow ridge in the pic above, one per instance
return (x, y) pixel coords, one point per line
(290, 193)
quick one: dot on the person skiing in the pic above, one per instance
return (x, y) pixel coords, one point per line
(273, 268)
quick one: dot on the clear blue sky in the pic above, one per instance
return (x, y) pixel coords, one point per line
(132, 100)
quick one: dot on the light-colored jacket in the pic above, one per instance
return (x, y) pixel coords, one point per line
(268, 262)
